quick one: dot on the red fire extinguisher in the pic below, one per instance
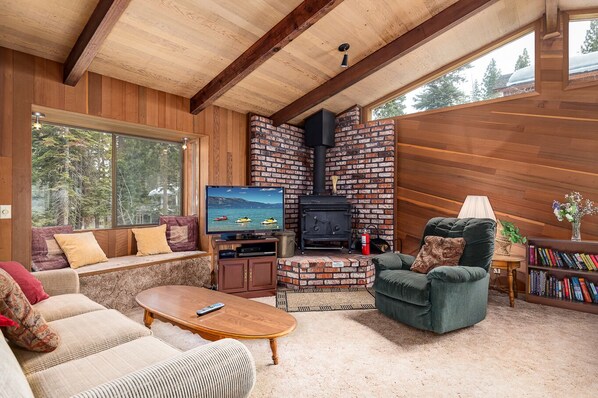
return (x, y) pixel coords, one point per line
(365, 242)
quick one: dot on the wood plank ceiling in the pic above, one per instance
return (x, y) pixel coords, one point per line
(179, 46)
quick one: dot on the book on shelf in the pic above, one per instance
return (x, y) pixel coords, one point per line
(572, 288)
(552, 258)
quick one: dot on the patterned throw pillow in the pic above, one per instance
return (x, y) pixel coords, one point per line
(438, 251)
(182, 232)
(4, 321)
(32, 332)
(45, 252)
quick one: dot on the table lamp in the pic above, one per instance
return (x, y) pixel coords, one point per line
(476, 207)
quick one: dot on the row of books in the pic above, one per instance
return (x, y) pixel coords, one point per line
(573, 288)
(554, 258)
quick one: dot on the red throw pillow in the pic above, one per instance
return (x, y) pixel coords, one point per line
(4, 321)
(31, 287)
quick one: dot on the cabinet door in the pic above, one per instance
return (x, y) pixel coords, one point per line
(232, 275)
(262, 273)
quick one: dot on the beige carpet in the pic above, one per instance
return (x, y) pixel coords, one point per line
(331, 299)
(526, 351)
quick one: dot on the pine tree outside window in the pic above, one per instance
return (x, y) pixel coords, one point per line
(505, 71)
(583, 50)
(92, 179)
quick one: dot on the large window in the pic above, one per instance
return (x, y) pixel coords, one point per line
(91, 179)
(507, 70)
(583, 50)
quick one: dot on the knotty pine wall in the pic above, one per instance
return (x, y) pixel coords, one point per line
(521, 153)
(26, 80)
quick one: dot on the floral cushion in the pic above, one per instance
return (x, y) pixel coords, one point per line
(31, 332)
(438, 251)
(45, 252)
(181, 232)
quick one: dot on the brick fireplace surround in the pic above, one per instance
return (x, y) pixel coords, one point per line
(364, 160)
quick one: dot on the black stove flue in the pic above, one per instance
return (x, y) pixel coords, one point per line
(323, 218)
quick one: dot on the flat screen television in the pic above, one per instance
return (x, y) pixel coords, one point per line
(244, 210)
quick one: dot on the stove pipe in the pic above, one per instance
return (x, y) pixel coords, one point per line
(319, 134)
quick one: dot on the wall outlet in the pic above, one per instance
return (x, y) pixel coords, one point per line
(5, 211)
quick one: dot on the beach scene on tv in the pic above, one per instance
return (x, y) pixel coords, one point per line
(238, 209)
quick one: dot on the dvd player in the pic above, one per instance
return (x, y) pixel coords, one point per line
(255, 254)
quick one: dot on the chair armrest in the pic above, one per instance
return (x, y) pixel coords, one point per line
(457, 274)
(58, 281)
(388, 260)
(224, 368)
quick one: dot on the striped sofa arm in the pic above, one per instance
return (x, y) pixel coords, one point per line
(58, 281)
(223, 369)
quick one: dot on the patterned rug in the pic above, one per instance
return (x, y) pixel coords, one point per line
(332, 299)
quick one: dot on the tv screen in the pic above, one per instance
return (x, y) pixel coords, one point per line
(244, 209)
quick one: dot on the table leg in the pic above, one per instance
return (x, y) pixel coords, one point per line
(511, 293)
(148, 319)
(515, 282)
(274, 349)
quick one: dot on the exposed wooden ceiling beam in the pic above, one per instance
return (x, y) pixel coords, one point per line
(552, 18)
(291, 26)
(101, 22)
(402, 45)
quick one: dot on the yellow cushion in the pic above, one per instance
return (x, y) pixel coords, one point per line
(81, 249)
(151, 240)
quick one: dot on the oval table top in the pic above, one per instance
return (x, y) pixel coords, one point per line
(239, 318)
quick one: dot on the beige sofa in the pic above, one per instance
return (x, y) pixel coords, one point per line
(103, 353)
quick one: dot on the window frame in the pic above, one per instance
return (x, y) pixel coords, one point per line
(569, 16)
(191, 143)
(533, 27)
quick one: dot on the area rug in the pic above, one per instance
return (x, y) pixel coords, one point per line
(331, 299)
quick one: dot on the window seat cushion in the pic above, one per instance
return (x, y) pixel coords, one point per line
(115, 283)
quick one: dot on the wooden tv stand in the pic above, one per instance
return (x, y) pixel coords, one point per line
(247, 276)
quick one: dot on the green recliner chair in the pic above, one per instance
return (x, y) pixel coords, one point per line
(447, 297)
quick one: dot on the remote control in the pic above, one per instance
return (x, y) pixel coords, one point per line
(209, 308)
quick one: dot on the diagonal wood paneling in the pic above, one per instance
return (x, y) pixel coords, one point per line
(521, 153)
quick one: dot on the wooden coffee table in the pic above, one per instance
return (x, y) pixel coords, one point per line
(239, 319)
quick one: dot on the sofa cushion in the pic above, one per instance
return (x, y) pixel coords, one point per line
(31, 287)
(83, 335)
(181, 232)
(12, 380)
(65, 306)
(82, 374)
(81, 249)
(404, 285)
(32, 332)
(46, 253)
(436, 252)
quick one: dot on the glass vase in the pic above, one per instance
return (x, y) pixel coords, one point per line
(576, 231)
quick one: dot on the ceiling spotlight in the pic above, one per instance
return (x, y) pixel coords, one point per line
(37, 116)
(344, 48)
(185, 143)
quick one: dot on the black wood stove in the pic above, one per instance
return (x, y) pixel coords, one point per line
(323, 218)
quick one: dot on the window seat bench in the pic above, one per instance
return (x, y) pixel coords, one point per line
(115, 283)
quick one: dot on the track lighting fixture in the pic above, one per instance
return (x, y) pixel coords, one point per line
(344, 48)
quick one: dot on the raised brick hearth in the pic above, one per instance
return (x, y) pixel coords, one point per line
(339, 270)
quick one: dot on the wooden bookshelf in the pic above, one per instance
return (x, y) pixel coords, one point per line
(568, 246)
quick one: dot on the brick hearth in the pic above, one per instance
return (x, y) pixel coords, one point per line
(341, 270)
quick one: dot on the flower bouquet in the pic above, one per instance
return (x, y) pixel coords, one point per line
(573, 210)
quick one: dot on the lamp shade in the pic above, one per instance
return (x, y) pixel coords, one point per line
(476, 207)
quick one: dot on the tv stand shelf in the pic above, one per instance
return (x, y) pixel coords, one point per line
(252, 271)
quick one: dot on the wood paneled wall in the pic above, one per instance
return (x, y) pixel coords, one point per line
(26, 81)
(522, 153)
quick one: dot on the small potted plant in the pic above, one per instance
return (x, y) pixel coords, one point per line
(508, 235)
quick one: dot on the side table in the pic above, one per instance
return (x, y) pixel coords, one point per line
(509, 263)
